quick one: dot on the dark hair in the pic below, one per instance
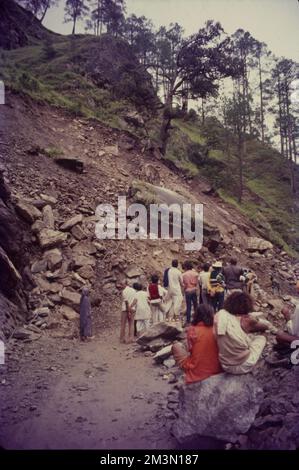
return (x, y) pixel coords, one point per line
(239, 303)
(188, 265)
(137, 286)
(233, 261)
(204, 313)
(206, 267)
(174, 263)
(155, 279)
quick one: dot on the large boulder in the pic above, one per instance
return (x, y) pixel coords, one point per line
(258, 244)
(222, 407)
(71, 299)
(159, 330)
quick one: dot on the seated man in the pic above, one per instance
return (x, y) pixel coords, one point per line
(202, 360)
(238, 352)
(291, 333)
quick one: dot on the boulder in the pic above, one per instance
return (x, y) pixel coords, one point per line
(163, 354)
(258, 244)
(78, 233)
(53, 258)
(86, 272)
(68, 313)
(159, 330)
(51, 238)
(38, 226)
(80, 260)
(49, 199)
(133, 117)
(42, 312)
(133, 271)
(275, 304)
(72, 299)
(69, 224)
(39, 266)
(157, 344)
(48, 217)
(27, 211)
(151, 174)
(24, 334)
(222, 407)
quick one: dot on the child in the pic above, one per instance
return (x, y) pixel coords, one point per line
(156, 293)
(142, 309)
(85, 315)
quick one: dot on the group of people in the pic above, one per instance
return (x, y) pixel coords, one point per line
(161, 301)
(221, 334)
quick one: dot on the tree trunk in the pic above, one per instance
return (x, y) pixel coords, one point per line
(241, 153)
(280, 118)
(166, 122)
(262, 101)
(44, 13)
(74, 25)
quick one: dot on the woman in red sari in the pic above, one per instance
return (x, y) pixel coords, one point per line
(202, 360)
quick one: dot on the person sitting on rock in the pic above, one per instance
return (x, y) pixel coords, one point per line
(156, 293)
(291, 333)
(202, 360)
(85, 315)
(142, 309)
(238, 352)
(127, 312)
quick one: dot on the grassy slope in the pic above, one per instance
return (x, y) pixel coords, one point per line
(267, 201)
(55, 76)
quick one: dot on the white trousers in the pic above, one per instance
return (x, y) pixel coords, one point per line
(176, 300)
(256, 348)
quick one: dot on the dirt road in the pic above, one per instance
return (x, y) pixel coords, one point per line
(62, 394)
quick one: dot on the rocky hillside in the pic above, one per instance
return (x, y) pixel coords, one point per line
(18, 27)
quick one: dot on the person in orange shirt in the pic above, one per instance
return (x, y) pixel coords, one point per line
(202, 360)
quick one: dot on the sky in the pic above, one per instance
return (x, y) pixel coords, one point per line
(275, 22)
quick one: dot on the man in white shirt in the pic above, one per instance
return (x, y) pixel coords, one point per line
(175, 286)
(128, 296)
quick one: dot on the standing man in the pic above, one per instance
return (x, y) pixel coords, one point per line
(190, 283)
(128, 295)
(175, 286)
(204, 277)
(232, 274)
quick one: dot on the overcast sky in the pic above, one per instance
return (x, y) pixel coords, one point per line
(275, 22)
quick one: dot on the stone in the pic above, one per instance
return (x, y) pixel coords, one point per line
(157, 344)
(80, 260)
(51, 238)
(77, 219)
(276, 304)
(68, 313)
(222, 406)
(111, 150)
(258, 244)
(159, 330)
(133, 117)
(151, 174)
(27, 211)
(72, 299)
(78, 233)
(84, 247)
(169, 363)
(48, 217)
(53, 258)
(48, 199)
(24, 334)
(38, 226)
(42, 312)
(86, 272)
(39, 266)
(133, 271)
(163, 354)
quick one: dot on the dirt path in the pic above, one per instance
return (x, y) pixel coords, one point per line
(94, 395)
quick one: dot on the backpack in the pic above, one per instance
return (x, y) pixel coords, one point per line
(165, 278)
